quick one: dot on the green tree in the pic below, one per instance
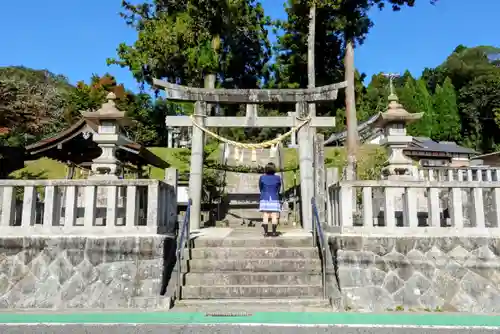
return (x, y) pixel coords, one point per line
(337, 23)
(32, 103)
(423, 103)
(407, 95)
(479, 101)
(181, 41)
(473, 73)
(447, 120)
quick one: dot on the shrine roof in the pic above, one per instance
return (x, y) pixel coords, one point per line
(365, 130)
(85, 149)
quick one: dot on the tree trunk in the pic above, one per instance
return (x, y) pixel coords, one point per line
(350, 102)
(311, 38)
(311, 66)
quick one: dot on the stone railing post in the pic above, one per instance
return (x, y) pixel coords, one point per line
(332, 201)
(169, 201)
(320, 175)
(346, 206)
(8, 206)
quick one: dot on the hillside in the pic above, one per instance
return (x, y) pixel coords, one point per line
(32, 104)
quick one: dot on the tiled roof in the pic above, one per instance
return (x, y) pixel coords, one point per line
(43, 146)
(427, 144)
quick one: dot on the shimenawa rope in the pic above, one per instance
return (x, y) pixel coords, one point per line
(265, 144)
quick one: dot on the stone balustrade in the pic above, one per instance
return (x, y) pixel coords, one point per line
(87, 207)
(415, 207)
(458, 174)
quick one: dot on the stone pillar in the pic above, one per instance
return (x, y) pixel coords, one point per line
(196, 166)
(306, 168)
(170, 200)
(197, 152)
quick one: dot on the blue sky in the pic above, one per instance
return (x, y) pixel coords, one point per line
(74, 38)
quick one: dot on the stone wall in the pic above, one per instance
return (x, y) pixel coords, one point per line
(83, 272)
(417, 273)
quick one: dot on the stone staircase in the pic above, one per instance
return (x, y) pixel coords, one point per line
(243, 188)
(247, 270)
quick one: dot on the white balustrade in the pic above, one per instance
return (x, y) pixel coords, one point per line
(86, 207)
(457, 174)
(432, 207)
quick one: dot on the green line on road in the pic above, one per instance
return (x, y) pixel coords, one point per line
(260, 317)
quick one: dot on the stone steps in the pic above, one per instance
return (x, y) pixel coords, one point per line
(250, 291)
(253, 265)
(251, 305)
(252, 253)
(254, 241)
(245, 265)
(249, 278)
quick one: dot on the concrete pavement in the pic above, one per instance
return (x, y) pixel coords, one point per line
(235, 329)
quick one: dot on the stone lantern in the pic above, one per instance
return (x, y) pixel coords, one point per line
(394, 122)
(110, 122)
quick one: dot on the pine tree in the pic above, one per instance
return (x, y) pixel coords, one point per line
(447, 120)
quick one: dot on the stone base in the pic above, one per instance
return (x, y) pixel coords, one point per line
(83, 272)
(377, 274)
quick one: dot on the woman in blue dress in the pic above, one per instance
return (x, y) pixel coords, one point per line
(270, 205)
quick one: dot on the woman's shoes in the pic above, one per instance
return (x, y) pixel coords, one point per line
(274, 233)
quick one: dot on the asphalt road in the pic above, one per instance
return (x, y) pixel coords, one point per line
(235, 328)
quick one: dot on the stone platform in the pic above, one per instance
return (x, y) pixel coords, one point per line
(424, 273)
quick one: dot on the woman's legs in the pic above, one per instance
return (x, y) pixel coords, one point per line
(274, 221)
(265, 223)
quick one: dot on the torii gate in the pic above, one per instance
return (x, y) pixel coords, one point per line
(251, 97)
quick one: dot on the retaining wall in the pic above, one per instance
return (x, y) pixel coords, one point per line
(378, 274)
(84, 272)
